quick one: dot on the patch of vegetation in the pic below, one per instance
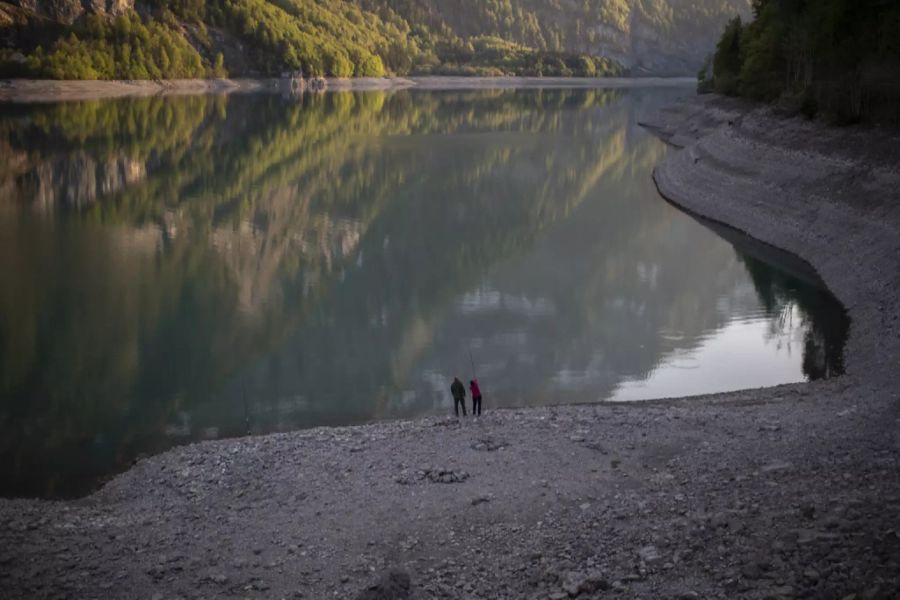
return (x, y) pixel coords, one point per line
(488, 55)
(127, 47)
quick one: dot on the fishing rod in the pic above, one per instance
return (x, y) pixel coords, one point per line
(244, 398)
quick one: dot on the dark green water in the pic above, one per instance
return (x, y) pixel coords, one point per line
(179, 269)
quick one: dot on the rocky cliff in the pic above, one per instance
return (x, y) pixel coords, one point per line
(68, 11)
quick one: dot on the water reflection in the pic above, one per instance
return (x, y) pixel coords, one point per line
(187, 268)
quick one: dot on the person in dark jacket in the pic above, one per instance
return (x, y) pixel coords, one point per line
(459, 395)
(476, 397)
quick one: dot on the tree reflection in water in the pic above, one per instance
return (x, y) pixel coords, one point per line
(176, 268)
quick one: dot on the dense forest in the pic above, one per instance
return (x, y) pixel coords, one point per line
(839, 58)
(72, 39)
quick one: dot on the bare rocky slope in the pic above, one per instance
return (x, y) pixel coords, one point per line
(786, 492)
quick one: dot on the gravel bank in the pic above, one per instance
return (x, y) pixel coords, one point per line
(51, 90)
(786, 492)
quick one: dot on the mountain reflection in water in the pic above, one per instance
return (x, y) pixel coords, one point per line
(185, 268)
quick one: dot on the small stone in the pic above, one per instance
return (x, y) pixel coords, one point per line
(649, 554)
(445, 476)
(751, 571)
(777, 466)
(784, 590)
(394, 585)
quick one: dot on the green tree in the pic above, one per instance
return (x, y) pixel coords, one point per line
(836, 56)
(727, 60)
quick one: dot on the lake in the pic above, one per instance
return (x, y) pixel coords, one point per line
(185, 268)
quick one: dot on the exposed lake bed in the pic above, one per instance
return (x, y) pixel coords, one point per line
(782, 496)
(780, 492)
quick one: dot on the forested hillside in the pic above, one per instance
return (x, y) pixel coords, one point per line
(121, 39)
(836, 57)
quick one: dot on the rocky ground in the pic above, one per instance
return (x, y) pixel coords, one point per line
(786, 492)
(52, 90)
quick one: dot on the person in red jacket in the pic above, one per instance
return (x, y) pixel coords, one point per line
(476, 397)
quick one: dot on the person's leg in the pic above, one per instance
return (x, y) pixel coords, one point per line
(457, 402)
(479, 406)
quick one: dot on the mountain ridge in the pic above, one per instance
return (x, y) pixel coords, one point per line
(162, 39)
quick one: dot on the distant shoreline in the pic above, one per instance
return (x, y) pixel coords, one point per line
(54, 90)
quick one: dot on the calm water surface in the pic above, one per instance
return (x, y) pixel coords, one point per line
(177, 269)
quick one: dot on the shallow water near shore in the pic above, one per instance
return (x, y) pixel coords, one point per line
(186, 268)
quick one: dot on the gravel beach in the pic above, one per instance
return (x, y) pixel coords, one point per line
(785, 492)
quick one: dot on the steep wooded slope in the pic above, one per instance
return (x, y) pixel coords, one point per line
(109, 39)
